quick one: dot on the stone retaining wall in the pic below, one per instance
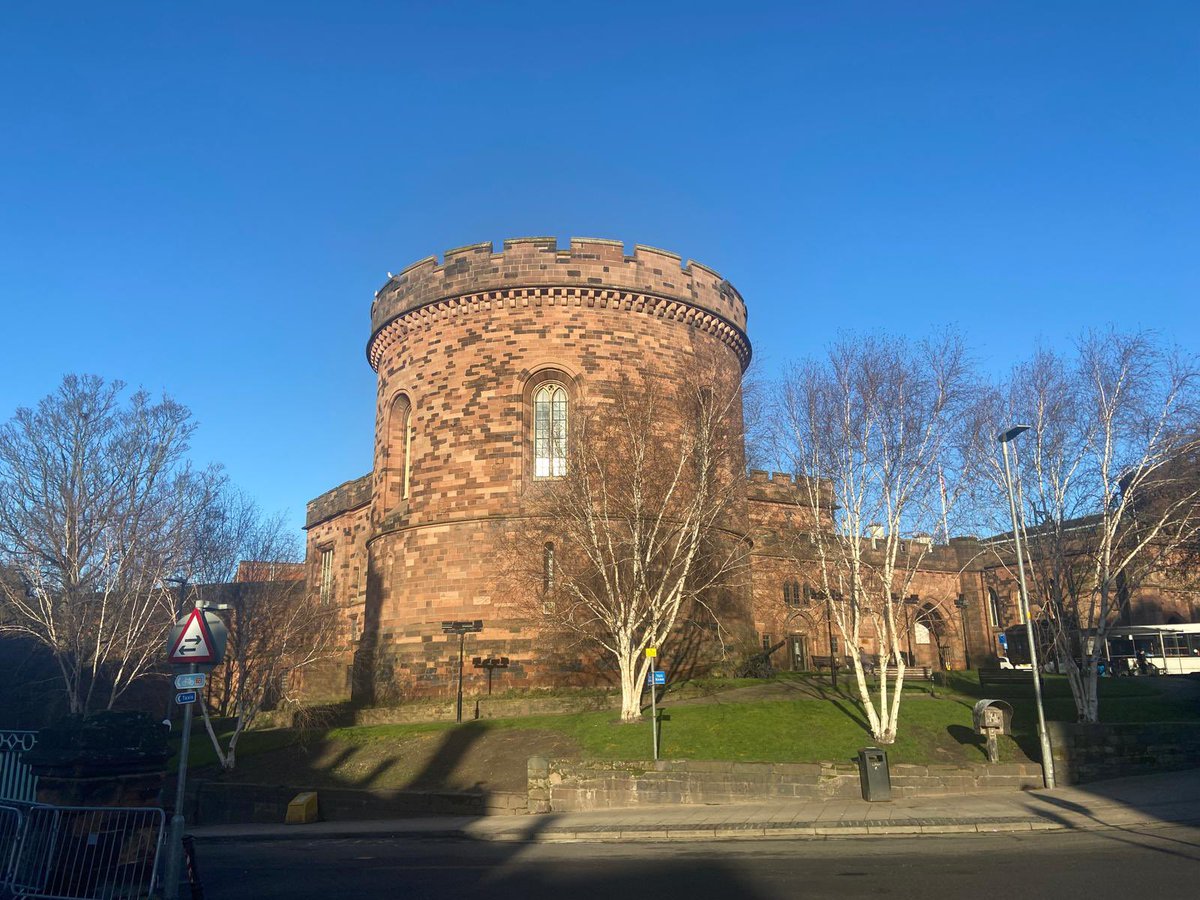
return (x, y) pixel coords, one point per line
(225, 804)
(567, 786)
(1084, 753)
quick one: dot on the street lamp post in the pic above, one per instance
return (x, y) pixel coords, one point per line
(833, 647)
(910, 601)
(961, 605)
(1004, 438)
(462, 629)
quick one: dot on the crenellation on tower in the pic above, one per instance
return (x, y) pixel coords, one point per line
(539, 262)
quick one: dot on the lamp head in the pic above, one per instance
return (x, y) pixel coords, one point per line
(1005, 436)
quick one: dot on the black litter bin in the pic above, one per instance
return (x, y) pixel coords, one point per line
(873, 774)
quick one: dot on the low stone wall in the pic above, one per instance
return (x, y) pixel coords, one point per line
(224, 804)
(484, 708)
(566, 785)
(443, 710)
(1084, 753)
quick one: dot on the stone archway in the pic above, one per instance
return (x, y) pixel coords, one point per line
(931, 638)
(803, 641)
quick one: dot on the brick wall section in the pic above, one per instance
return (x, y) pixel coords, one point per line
(569, 786)
(1084, 753)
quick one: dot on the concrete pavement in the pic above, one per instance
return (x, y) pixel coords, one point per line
(1171, 798)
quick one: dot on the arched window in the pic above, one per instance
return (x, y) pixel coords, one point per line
(550, 431)
(791, 593)
(993, 607)
(398, 453)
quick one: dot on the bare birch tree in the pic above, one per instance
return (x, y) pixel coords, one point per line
(1107, 484)
(634, 528)
(277, 631)
(871, 431)
(97, 500)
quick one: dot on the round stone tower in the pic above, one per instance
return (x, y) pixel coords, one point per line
(469, 354)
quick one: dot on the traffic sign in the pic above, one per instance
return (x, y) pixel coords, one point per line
(658, 676)
(183, 682)
(651, 652)
(197, 639)
(185, 697)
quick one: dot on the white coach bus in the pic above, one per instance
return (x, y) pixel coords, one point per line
(1170, 649)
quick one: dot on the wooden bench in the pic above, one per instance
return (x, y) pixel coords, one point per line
(823, 663)
(1002, 677)
(920, 673)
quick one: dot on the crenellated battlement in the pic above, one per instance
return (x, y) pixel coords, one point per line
(344, 497)
(534, 262)
(781, 487)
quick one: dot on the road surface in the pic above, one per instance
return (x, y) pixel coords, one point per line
(1138, 863)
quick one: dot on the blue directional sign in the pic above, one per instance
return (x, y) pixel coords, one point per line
(659, 677)
(184, 682)
(185, 697)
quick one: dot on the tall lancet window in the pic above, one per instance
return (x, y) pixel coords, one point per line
(550, 431)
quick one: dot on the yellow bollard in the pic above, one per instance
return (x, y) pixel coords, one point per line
(303, 809)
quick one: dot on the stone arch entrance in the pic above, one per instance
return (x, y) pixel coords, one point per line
(931, 637)
(803, 641)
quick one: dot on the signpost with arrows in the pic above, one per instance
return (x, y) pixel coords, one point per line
(198, 639)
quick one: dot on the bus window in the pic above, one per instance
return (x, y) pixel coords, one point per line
(1175, 644)
(1194, 644)
(1120, 645)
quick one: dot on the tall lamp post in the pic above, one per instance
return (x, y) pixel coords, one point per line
(961, 605)
(462, 629)
(1005, 437)
(910, 601)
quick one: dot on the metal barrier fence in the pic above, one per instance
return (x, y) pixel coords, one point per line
(17, 781)
(12, 825)
(78, 852)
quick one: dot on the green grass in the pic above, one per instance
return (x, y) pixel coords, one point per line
(820, 724)
(765, 731)
(202, 754)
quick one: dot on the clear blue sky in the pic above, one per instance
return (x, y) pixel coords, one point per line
(201, 198)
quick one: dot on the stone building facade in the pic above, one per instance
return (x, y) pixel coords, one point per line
(467, 351)
(479, 357)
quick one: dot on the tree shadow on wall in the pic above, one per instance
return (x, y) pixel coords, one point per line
(367, 657)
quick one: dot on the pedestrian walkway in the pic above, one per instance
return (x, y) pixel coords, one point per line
(1149, 800)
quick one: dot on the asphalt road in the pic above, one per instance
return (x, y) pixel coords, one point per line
(1133, 864)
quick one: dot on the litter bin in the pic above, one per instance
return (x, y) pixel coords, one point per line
(873, 774)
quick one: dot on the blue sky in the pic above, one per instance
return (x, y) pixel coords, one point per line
(201, 199)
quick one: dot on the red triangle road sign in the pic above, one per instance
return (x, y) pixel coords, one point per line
(195, 642)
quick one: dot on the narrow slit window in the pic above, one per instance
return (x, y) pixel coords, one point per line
(326, 575)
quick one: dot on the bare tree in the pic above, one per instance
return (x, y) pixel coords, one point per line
(277, 632)
(97, 499)
(871, 432)
(632, 536)
(1107, 482)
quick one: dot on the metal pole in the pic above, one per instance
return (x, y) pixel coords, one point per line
(462, 637)
(1043, 737)
(174, 860)
(653, 709)
(908, 633)
(829, 627)
(962, 617)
